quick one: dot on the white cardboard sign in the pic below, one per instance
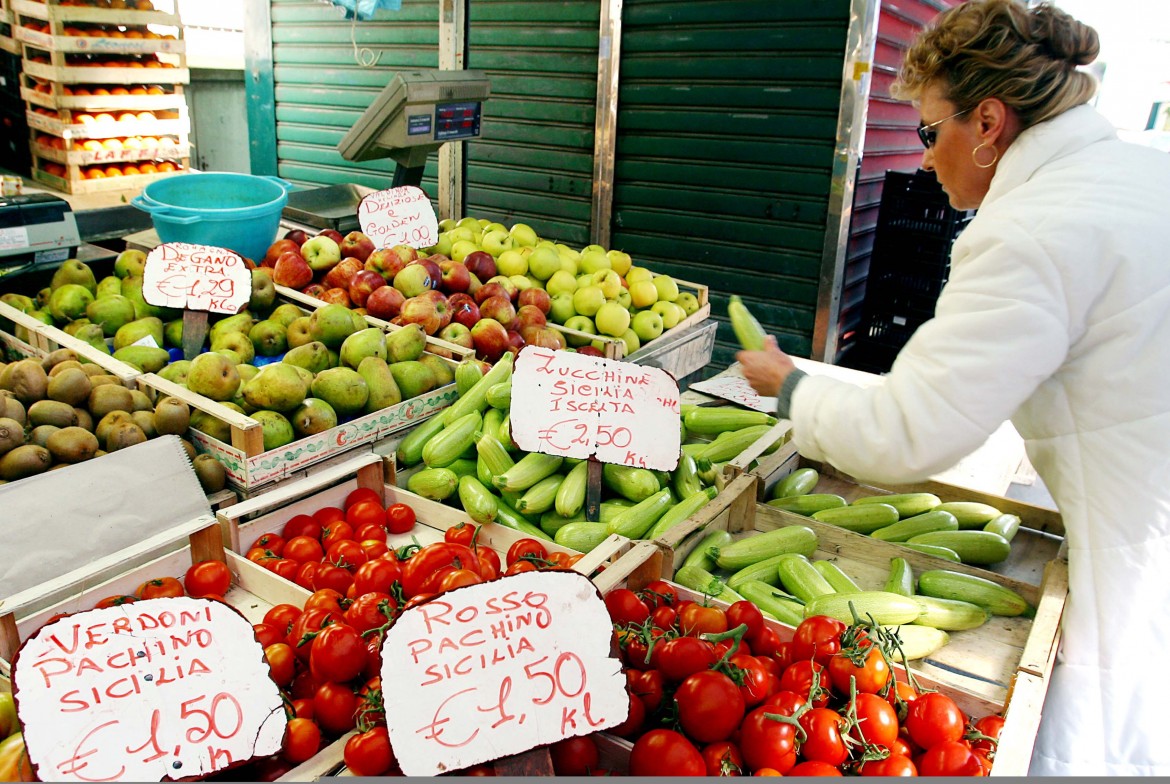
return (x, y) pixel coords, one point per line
(399, 216)
(162, 688)
(570, 404)
(196, 277)
(737, 390)
(490, 670)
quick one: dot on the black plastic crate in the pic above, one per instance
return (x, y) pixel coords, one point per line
(10, 70)
(15, 154)
(915, 203)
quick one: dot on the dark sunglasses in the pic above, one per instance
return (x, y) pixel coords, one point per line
(928, 134)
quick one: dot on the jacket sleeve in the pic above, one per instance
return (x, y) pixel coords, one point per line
(1000, 329)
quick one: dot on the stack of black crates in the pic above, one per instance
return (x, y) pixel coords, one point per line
(908, 267)
(15, 155)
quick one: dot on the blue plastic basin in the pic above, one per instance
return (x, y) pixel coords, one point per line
(240, 212)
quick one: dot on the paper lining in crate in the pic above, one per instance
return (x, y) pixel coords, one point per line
(68, 126)
(138, 97)
(34, 339)
(1037, 542)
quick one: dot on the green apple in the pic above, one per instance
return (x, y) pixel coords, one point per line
(621, 262)
(447, 224)
(471, 223)
(630, 338)
(584, 280)
(643, 293)
(495, 227)
(609, 281)
(595, 260)
(623, 299)
(483, 223)
(521, 282)
(444, 244)
(543, 262)
(612, 319)
(561, 309)
(667, 288)
(635, 274)
(496, 242)
(569, 266)
(462, 249)
(587, 300)
(511, 262)
(524, 251)
(592, 248)
(581, 324)
(688, 302)
(545, 244)
(669, 312)
(561, 282)
(565, 250)
(647, 325)
(523, 234)
(461, 233)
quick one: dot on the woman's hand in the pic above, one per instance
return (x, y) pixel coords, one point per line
(766, 370)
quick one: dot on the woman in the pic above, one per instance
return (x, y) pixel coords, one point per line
(1057, 315)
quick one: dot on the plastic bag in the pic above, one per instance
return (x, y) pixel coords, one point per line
(365, 9)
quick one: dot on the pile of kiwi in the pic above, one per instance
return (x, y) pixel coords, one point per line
(58, 411)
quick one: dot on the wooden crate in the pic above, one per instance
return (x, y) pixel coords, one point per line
(40, 67)
(176, 149)
(54, 12)
(57, 40)
(55, 95)
(34, 339)
(1038, 541)
(68, 124)
(76, 184)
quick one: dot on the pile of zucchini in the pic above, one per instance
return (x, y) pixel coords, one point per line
(967, 532)
(469, 456)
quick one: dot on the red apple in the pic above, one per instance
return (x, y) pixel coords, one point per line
(466, 312)
(276, 249)
(332, 234)
(357, 245)
(459, 297)
(475, 284)
(422, 311)
(385, 303)
(362, 285)
(537, 297)
(340, 276)
(498, 308)
(314, 290)
(433, 271)
(456, 278)
(515, 341)
(336, 297)
(291, 270)
(490, 338)
(458, 334)
(509, 287)
(406, 253)
(296, 235)
(438, 258)
(488, 290)
(386, 263)
(480, 264)
(529, 316)
(589, 351)
(545, 337)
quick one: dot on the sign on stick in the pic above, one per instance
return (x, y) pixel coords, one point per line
(399, 216)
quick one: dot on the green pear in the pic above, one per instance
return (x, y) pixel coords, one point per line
(130, 263)
(342, 388)
(214, 376)
(306, 375)
(111, 312)
(444, 373)
(278, 431)
(241, 322)
(73, 327)
(238, 342)
(20, 302)
(298, 333)
(75, 272)
(93, 335)
(231, 355)
(176, 372)
(277, 387)
(413, 378)
(359, 321)
(247, 372)
(137, 330)
(209, 424)
(384, 391)
(109, 286)
(312, 417)
(148, 359)
(69, 301)
(173, 333)
(263, 291)
(42, 298)
(331, 324)
(313, 357)
(405, 344)
(268, 338)
(370, 342)
(285, 314)
(43, 316)
(132, 290)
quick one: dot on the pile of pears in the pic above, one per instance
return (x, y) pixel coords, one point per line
(58, 411)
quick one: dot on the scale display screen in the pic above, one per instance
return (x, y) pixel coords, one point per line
(457, 120)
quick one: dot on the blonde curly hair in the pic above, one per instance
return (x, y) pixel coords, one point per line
(1026, 58)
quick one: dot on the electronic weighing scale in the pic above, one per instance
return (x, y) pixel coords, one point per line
(36, 228)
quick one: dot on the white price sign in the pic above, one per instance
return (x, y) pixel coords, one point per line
(399, 216)
(737, 390)
(196, 277)
(575, 405)
(490, 670)
(147, 691)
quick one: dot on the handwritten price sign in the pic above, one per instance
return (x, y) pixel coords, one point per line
(164, 688)
(737, 390)
(196, 277)
(399, 216)
(491, 670)
(581, 406)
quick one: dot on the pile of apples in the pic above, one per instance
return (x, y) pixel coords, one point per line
(486, 287)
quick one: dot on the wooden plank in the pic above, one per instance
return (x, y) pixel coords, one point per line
(1021, 726)
(51, 336)
(207, 544)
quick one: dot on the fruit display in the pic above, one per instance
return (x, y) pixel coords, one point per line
(14, 762)
(489, 288)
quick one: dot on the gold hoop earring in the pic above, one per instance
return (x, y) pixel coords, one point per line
(975, 156)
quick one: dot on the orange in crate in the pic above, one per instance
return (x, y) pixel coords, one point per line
(148, 168)
(167, 166)
(112, 144)
(113, 171)
(130, 169)
(94, 173)
(55, 169)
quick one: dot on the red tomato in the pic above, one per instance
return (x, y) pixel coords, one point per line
(302, 739)
(658, 593)
(327, 599)
(489, 563)
(901, 692)
(328, 516)
(786, 703)
(302, 709)
(823, 742)
(281, 617)
(648, 686)
(284, 567)
(799, 678)
(575, 756)
(767, 743)
(722, 758)
(814, 768)
(371, 531)
(301, 525)
(371, 611)
(665, 753)
(365, 513)
(681, 657)
(336, 532)
(894, 765)
(932, 719)
(346, 554)
(160, 588)
(303, 549)
(878, 722)
(333, 577)
(697, 619)
(267, 634)
(368, 753)
(113, 601)
(306, 575)
(374, 548)
(400, 518)
(634, 719)
(559, 560)
(362, 494)
(664, 617)
(766, 642)
(302, 636)
(282, 663)
(530, 548)
(949, 758)
(304, 686)
(461, 533)
(817, 638)
(871, 676)
(901, 747)
(273, 542)
(520, 567)
(458, 578)
(335, 706)
(710, 706)
(623, 604)
(373, 656)
(744, 612)
(376, 576)
(430, 559)
(339, 654)
(758, 682)
(991, 726)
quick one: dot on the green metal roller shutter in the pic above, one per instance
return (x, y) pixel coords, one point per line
(321, 90)
(534, 162)
(727, 118)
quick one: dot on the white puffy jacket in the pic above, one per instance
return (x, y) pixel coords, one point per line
(1057, 316)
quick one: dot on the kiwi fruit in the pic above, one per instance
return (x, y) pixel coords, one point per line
(72, 445)
(105, 379)
(107, 423)
(212, 476)
(110, 397)
(69, 364)
(122, 435)
(27, 381)
(190, 449)
(145, 421)
(11, 408)
(24, 461)
(140, 401)
(11, 435)
(70, 386)
(56, 357)
(171, 417)
(51, 412)
(84, 418)
(92, 370)
(39, 435)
